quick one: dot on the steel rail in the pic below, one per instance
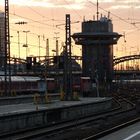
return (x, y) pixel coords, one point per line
(53, 125)
(69, 124)
(111, 130)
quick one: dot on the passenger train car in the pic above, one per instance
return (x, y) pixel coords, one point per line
(129, 84)
(30, 84)
(26, 84)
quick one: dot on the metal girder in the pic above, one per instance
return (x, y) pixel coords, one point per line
(125, 58)
(67, 61)
(7, 67)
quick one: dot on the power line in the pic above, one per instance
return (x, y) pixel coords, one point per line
(73, 9)
(31, 33)
(52, 26)
(36, 12)
(36, 21)
(120, 18)
(32, 20)
(32, 45)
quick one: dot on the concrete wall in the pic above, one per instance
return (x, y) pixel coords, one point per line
(19, 121)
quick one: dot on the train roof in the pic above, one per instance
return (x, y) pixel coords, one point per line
(85, 77)
(20, 78)
(24, 78)
(127, 81)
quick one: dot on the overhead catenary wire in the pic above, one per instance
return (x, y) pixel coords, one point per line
(33, 45)
(37, 12)
(77, 13)
(115, 15)
(120, 18)
(38, 21)
(33, 20)
(73, 8)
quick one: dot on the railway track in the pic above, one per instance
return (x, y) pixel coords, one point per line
(132, 95)
(75, 127)
(111, 130)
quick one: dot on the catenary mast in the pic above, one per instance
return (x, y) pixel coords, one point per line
(7, 68)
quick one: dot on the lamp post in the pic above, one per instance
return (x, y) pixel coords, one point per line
(39, 46)
(26, 45)
(54, 52)
(47, 47)
(57, 52)
(18, 45)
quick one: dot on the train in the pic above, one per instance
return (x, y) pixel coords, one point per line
(30, 84)
(26, 84)
(127, 84)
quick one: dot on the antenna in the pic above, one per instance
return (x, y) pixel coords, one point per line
(108, 14)
(84, 18)
(124, 37)
(97, 10)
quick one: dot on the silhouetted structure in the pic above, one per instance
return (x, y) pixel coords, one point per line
(97, 39)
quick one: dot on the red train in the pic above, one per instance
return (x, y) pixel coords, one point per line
(30, 84)
(26, 84)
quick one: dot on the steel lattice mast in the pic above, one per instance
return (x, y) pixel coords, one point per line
(67, 61)
(7, 50)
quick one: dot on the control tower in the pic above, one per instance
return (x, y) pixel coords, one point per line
(97, 39)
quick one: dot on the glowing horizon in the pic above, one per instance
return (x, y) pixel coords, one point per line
(75, 4)
(43, 16)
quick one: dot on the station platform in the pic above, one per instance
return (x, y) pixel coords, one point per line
(55, 104)
(19, 99)
(28, 115)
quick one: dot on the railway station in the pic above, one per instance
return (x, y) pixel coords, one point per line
(66, 96)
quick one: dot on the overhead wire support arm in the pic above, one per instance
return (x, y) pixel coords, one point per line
(21, 22)
(64, 24)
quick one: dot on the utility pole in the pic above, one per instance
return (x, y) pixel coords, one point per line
(47, 47)
(1, 53)
(56, 37)
(39, 47)
(7, 50)
(97, 10)
(26, 45)
(19, 23)
(67, 61)
(18, 45)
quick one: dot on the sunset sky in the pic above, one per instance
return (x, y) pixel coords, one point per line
(43, 16)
